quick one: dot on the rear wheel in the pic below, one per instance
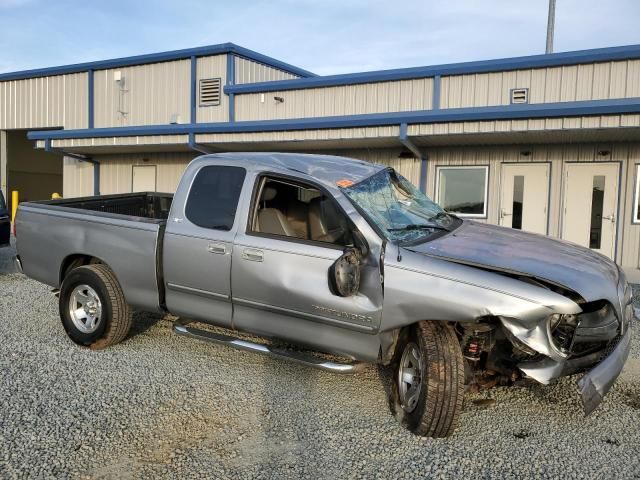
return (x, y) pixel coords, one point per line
(93, 309)
(428, 386)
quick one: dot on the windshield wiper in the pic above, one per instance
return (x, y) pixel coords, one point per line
(418, 226)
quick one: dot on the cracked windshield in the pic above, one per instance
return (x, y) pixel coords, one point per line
(399, 209)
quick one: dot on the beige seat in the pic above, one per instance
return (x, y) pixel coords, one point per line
(324, 224)
(272, 220)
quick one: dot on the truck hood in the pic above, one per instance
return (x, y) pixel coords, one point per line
(587, 273)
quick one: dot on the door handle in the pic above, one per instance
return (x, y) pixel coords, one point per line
(253, 255)
(504, 213)
(611, 217)
(217, 248)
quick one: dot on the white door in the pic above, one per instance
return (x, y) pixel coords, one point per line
(144, 178)
(590, 205)
(524, 196)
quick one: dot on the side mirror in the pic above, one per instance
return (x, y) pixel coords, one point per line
(344, 274)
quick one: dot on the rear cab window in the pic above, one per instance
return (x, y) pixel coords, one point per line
(213, 198)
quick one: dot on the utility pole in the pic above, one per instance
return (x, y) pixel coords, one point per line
(551, 25)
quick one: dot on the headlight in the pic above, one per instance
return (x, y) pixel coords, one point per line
(561, 331)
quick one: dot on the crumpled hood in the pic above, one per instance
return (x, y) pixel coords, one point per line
(590, 274)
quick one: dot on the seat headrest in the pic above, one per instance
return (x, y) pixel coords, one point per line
(269, 194)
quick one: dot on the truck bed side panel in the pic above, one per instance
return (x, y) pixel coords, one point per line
(47, 236)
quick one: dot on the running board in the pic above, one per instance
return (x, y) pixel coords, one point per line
(297, 357)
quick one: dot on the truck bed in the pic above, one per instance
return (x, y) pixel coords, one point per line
(147, 205)
(124, 231)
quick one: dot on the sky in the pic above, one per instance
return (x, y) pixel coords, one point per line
(324, 36)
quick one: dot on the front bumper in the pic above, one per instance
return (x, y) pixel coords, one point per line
(595, 384)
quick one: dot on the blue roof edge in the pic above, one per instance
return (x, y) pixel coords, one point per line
(483, 66)
(158, 57)
(501, 112)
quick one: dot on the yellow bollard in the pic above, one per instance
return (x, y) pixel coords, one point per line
(56, 196)
(14, 205)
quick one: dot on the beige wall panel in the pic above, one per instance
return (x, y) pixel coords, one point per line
(342, 100)
(633, 79)
(213, 67)
(57, 101)
(150, 94)
(116, 170)
(248, 71)
(77, 178)
(618, 80)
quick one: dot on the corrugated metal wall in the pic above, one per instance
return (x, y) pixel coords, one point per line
(116, 170)
(248, 71)
(58, 101)
(628, 155)
(77, 178)
(213, 67)
(398, 96)
(546, 85)
(150, 94)
(407, 167)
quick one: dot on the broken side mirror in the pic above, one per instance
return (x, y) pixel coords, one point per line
(344, 274)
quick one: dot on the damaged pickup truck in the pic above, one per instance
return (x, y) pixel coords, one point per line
(342, 257)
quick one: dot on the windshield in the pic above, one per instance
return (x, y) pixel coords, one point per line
(403, 213)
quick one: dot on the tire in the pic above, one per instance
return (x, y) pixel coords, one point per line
(99, 316)
(434, 408)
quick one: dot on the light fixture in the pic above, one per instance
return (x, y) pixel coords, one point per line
(406, 153)
(604, 153)
(279, 99)
(525, 153)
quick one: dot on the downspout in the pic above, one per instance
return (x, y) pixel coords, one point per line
(82, 158)
(197, 147)
(409, 145)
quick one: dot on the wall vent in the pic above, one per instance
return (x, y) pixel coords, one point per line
(519, 95)
(210, 92)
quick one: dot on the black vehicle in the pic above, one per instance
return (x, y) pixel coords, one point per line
(5, 223)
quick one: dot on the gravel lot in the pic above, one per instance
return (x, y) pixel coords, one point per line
(159, 405)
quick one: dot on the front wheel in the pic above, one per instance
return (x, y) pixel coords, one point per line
(93, 309)
(428, 385)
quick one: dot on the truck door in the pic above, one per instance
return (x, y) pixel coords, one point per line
(281, 262)
(198, 243)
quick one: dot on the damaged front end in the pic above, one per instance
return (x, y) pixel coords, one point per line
(595, 341)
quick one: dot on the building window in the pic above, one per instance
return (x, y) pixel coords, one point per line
(463, 190)
(636, 197)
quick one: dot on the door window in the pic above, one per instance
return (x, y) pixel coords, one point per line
(597, 200)
(518, 200)
(290, 209)
(213, 198)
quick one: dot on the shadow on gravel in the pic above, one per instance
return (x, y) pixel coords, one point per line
(143, 321)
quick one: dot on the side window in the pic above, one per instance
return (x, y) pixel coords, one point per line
(290, 209)
(214, 195)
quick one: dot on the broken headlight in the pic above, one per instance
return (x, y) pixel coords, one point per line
(562, 328)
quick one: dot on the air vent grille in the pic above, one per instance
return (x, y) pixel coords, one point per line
(210, 91)
(520, 95)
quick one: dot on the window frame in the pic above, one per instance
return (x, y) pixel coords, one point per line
(484, 214)
(636, 196)
(188, 197)
(258, 185)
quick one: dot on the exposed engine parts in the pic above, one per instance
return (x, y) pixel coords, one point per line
(476, 338)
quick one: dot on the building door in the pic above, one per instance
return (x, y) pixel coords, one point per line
(524, 197)
(590, 205)
(144, 178)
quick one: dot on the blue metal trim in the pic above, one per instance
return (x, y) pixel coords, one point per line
(483, 66)
(423, 175)
(96, 178)
(90, 99)
(193, 91)
(435, 102)
(82, 158)
(231, 80)
(502, 112)
(158, 57)
(194, 146)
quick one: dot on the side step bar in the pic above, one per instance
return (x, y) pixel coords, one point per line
(297, 357)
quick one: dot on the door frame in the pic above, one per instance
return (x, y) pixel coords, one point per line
(546, 162)
(563, 186)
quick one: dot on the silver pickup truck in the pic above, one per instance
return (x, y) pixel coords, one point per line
(341, 257)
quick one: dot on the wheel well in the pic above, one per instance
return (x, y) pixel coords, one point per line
(75, 261)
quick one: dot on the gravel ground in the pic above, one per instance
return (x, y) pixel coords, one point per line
(160, 405)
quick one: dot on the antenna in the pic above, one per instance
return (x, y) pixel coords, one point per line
(551, 25)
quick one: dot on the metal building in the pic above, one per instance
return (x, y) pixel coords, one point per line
(545, 143)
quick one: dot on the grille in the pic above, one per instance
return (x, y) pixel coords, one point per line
(210, 90)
